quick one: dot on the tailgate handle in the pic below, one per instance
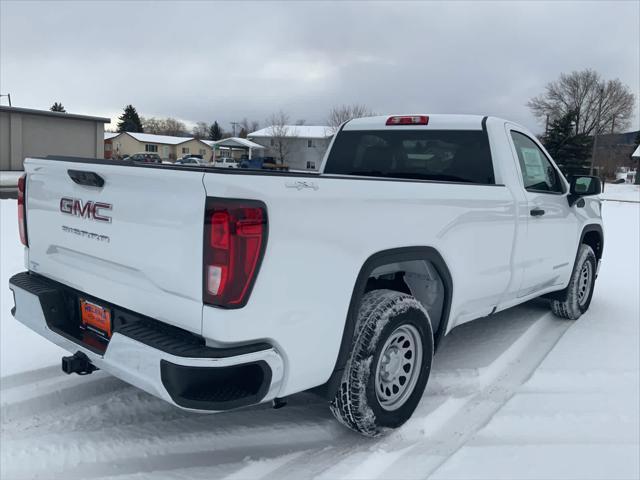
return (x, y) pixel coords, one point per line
(91, 179)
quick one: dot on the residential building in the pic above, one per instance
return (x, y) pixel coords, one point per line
(168, 147)
(108, 144)
(305, 145)
(25, 132)
(615, 151)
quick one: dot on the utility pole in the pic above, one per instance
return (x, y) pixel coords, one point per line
(595, 134)
(546, 125)
(233, 124)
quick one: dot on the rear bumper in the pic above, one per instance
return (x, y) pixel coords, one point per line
(172, 366)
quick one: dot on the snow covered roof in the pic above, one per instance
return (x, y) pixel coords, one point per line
(636, 152)
(301, 131)
(164, 139)
(110, 135)
(237, 142)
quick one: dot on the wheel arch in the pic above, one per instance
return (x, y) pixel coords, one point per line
(593, 235)
(377, 260)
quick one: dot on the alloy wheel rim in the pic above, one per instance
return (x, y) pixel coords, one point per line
(398, 367)
(584, 283)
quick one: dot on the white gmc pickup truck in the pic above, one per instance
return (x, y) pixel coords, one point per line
(215, 289)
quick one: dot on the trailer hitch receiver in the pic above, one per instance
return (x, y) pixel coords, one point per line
(78, 363)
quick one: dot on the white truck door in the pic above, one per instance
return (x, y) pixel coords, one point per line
(552, 228)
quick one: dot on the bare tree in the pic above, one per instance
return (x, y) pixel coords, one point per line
(280, 133)
(248, 126)
(151, 125)
(174, 127)
(201, 130)
(582, 93)
(339, 115)
(164, 126)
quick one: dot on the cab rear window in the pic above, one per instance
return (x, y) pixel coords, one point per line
(442, 155)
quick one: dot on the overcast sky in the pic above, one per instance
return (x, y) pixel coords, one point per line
(205, 61)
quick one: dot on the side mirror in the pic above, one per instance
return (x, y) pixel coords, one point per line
(582, 186)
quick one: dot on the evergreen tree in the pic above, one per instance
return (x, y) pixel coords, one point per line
(571, 151)
(129, 121)
(215, 132)
(57, 107)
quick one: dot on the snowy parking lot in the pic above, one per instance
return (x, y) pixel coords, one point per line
(521, 394)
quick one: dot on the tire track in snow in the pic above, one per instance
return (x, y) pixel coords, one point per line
(104, 427)
(435, 435)
(513, 369)
(239, 462)
(129, 447)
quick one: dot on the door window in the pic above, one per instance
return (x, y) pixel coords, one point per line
(538, 173)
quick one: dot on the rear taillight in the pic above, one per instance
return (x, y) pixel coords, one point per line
(22, 209)
(235, 237)
(408, 120)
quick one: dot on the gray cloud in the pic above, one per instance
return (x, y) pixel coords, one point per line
(225, 61)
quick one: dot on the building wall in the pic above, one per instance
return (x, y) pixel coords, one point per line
(127, 145)
(610, 157)
(108, 149)
(194, 147)
(300, 156)
(32, 134)
(5, 142)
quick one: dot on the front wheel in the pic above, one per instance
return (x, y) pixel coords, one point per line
(389, 366)
(576, 298)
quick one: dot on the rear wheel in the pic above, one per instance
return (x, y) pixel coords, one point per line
(389, 366)
(576, 298)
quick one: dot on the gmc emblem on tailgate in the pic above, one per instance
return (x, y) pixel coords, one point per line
(90, 209)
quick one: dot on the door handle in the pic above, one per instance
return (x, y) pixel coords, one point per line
(536, 212)
(82, 177)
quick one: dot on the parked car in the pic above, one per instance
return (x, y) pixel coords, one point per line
(191, 155)
(262, 163)
(343, 282)
(225, 162)
(193, 161)
(145, 157)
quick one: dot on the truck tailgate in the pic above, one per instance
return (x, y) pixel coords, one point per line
(143, 253)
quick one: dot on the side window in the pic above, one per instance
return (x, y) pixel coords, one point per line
(537, 171)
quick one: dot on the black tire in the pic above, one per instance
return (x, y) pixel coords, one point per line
(573, 301)
(382, 314)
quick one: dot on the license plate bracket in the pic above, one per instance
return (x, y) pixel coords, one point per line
(95, 318)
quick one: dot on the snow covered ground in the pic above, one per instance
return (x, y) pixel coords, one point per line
(624, 192)
(519, 395)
